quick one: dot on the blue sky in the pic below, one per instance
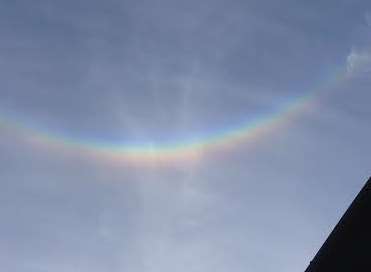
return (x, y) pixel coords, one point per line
(152, 71)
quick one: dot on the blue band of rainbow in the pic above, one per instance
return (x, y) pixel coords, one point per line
(186, 149)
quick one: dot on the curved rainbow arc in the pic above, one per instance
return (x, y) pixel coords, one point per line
(187, 149)
(184, 149)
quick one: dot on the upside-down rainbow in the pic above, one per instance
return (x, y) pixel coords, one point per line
(186, 149)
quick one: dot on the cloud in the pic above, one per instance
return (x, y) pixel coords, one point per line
(154, 72)
(368, 18)
(359, 62)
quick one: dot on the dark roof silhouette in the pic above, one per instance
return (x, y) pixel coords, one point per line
(348, 247)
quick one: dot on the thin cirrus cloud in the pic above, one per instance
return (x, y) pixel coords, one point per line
(359, 62)
(152, 72)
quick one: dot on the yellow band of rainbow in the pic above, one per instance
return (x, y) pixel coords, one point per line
(187, 149)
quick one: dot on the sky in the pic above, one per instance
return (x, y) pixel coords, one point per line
(162, 136)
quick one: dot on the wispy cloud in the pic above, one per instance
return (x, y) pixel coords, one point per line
(359, 62)
(164, 70)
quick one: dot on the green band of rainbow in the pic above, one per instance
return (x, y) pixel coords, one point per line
(187, 149)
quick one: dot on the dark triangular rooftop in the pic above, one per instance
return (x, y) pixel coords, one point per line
(348, 248)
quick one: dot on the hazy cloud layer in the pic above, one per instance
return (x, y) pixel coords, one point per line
(145, 71)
